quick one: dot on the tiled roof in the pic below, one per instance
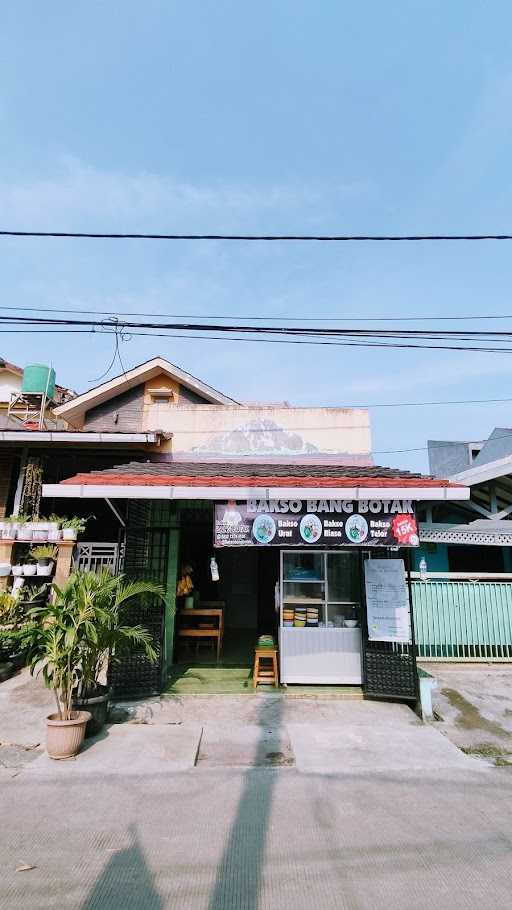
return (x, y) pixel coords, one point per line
(241, 474)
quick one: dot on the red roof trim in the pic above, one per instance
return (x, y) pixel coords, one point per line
(151, 480)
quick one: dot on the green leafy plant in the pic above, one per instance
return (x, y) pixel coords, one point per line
(56, 519)
(76, 524)
(9, 608)
(15, 519)
(71, 638)
(33, 594)
(45, 551)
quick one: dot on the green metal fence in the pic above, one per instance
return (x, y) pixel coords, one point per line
(462, 619)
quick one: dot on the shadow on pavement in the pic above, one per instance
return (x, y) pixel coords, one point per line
(126, 881)
(240, 869)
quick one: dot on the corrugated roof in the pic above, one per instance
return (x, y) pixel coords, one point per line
(240, 473)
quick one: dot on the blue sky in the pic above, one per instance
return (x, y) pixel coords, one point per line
(284, 116)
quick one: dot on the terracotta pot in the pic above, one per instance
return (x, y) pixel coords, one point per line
(64, 737)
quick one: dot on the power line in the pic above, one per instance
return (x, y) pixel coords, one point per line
(322, 238)
(118, 314)
(115, 323)
(352, 407)
(295, 341)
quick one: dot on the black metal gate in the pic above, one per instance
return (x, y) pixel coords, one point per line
(389, 670)
(146, 558)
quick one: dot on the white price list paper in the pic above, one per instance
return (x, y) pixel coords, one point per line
(387, 600)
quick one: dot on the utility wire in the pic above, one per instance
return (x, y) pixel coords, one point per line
(202, 337)
(455, 334)
(323, 238)
(351, 407)
(119, 314)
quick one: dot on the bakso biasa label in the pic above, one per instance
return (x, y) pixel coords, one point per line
(328, 522)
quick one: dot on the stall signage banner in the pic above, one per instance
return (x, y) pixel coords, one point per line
(327, 522)
(387, 600)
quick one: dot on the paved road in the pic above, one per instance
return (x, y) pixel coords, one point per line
(226, 839)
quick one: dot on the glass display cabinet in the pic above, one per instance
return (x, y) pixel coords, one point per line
(320, 617)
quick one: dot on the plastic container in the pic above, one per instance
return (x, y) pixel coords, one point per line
(17, 570)
(5, 569)
(29, 568)
(38, 379)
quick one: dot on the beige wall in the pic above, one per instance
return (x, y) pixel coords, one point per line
(9, 382)
(261, 430)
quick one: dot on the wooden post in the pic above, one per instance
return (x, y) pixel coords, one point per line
(6, 548)
(64, 561)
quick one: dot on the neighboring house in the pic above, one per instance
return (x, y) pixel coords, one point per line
(463, 594)
(14, 411)
(475, 535)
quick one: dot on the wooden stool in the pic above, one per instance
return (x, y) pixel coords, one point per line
(263, 673)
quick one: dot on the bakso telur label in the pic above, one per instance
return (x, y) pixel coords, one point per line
(328, 522)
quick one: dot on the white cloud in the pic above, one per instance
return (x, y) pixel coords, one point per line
(446, 373)
(80, 192)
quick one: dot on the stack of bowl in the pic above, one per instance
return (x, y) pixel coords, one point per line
(300, 617)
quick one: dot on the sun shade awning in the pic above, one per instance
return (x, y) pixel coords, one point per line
(241, 481)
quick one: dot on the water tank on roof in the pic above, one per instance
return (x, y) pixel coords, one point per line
(38, 379)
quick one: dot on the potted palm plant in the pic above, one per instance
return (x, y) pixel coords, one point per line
(105, 598)
(52, 638)
(69, 640)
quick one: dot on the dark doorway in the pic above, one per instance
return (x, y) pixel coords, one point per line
(268, 575)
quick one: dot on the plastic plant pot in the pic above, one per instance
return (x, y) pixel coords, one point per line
(54, 535)
(64, 737)
(45, 570)
(9, 532)
(69, 534)
(5, 569)
(40, 535)
(17, 570)
(24, 533)
(29, 568)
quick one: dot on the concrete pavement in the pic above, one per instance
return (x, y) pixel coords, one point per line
(474, 704)
(264, 803)
(260, 839)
